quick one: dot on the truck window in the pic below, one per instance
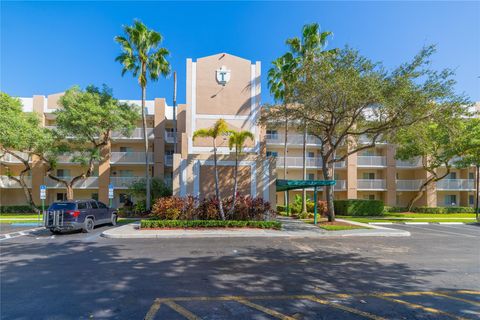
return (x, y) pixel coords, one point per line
(82, 205)
(102, 205)
(62, 206)
(93, 204)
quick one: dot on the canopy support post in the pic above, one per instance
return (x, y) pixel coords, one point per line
(315, 205)
(288, 202)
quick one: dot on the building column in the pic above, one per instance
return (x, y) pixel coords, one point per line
(352, 176)
(104, 173)
(391, 177)
(159, 138)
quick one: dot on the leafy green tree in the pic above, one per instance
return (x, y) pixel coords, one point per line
(348, 97)
(237, 141)
(281, 78)
(219, 129)
(22, 137)
(309, 49)
(438, 143)
(145, 59)
(158, 187)
(85, 123)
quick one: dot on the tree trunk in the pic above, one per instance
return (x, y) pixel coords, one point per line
(235, 183)
(27, 192)
(423, 188)
(329, 191)
(285, 151)
(477, 192)
(69, 187)
(145, 139)
(304, 193)
(217, 189)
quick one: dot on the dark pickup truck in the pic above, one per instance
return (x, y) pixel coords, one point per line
(78, 215)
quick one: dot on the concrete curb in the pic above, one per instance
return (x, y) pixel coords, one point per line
(130, 231)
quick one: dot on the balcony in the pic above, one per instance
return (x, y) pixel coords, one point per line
(169, 160)
(456, 184)
(412, 163)
(297, 162)
(88, 183)
(371, 161)
(341, 185)
(130, 158)
(292, 139)
(6, 182)
(169, 136)
(408, 185)
(136, 133)
(123, 182)
(371, 184)
(11, 159)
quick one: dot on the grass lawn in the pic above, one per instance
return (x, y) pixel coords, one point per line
(334, 226)
(415, 217)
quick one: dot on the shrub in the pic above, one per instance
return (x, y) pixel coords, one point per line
(296, 206)
(394, 209)
(358, 207)
(19, 209)
(209, 224)
(443, 210)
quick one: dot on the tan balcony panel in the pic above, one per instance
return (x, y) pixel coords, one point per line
(412, 163)
(88, 183)
(292, 139)
(123, 182)
(130, 158)
(408, 185)
(7, 183)
(456, 184)
(297, 162)
(371, 161)
(371, 184)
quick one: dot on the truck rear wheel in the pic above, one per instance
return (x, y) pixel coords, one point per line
(88, 226)
(114, 220)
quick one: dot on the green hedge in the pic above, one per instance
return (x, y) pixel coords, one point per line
(443, 210)
(17, 209)
(209, 224)
(358, 207)
(394, 209)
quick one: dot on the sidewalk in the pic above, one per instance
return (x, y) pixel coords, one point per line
(290, 228)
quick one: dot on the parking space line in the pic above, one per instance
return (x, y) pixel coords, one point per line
(345, 308)
(468, 292)
(263, 309)
(462, 228)
(455, 298)
(433, 231)
(417, 306)
(432, 293)
(153, 310)
(181, 310)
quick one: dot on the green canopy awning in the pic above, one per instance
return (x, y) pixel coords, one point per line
(284, 185)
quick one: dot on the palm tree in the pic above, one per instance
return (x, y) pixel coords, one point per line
(237, 141)
(281, 78)
(143, 56)
(308, 49)
(220, 128)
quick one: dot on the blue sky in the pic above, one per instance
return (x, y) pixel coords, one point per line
(47, 47)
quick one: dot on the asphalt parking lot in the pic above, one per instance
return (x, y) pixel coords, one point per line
(434, 274)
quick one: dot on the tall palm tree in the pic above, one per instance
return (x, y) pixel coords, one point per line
(220, 128)
(281, 78)
(237, 140)
(308, 49)
(144, 58)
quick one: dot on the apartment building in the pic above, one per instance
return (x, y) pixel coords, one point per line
(228, 87)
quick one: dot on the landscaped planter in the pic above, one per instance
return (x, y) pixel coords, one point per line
(194, 224)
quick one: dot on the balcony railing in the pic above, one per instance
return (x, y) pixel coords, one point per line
(130, 157)
(169, 136)
(408, 185)
(292, 139)
(412, 163)
(371, 184)
(456, 184)
(11, 159)
(123, 182)
(371, 161)
(293, 162)
(88, 183)
(6, 182)
(136, 133)
(341, 185)
(169, 160)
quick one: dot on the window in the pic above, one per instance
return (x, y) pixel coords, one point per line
(368, 153)
(61, 196)
(93, 204)
(102, 205)
(168, 152)
(311, 155)
(369, 175)
(471, 175)
(82, 205)
(369, 197)
(272, 154)
(95, 196)
(450, 200)
(125, 173)
(272, 134)
(126, 149)
(451, 175)
(63, 173)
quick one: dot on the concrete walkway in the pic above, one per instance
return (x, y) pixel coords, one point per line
(290, 228)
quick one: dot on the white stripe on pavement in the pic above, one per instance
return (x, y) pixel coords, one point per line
(443, 231)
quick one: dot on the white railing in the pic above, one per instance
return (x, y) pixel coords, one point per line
(408, 185)
(123, 182)
(298, 162)
(6, 182)
(88, 183)
(340, 164)
(169, 137)
(411, 163)
(371, 161)
(7, 157)
(371, 184)
(130, 157)
(137, 133)
(169, 160)
(292, 139)
(456, 184)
